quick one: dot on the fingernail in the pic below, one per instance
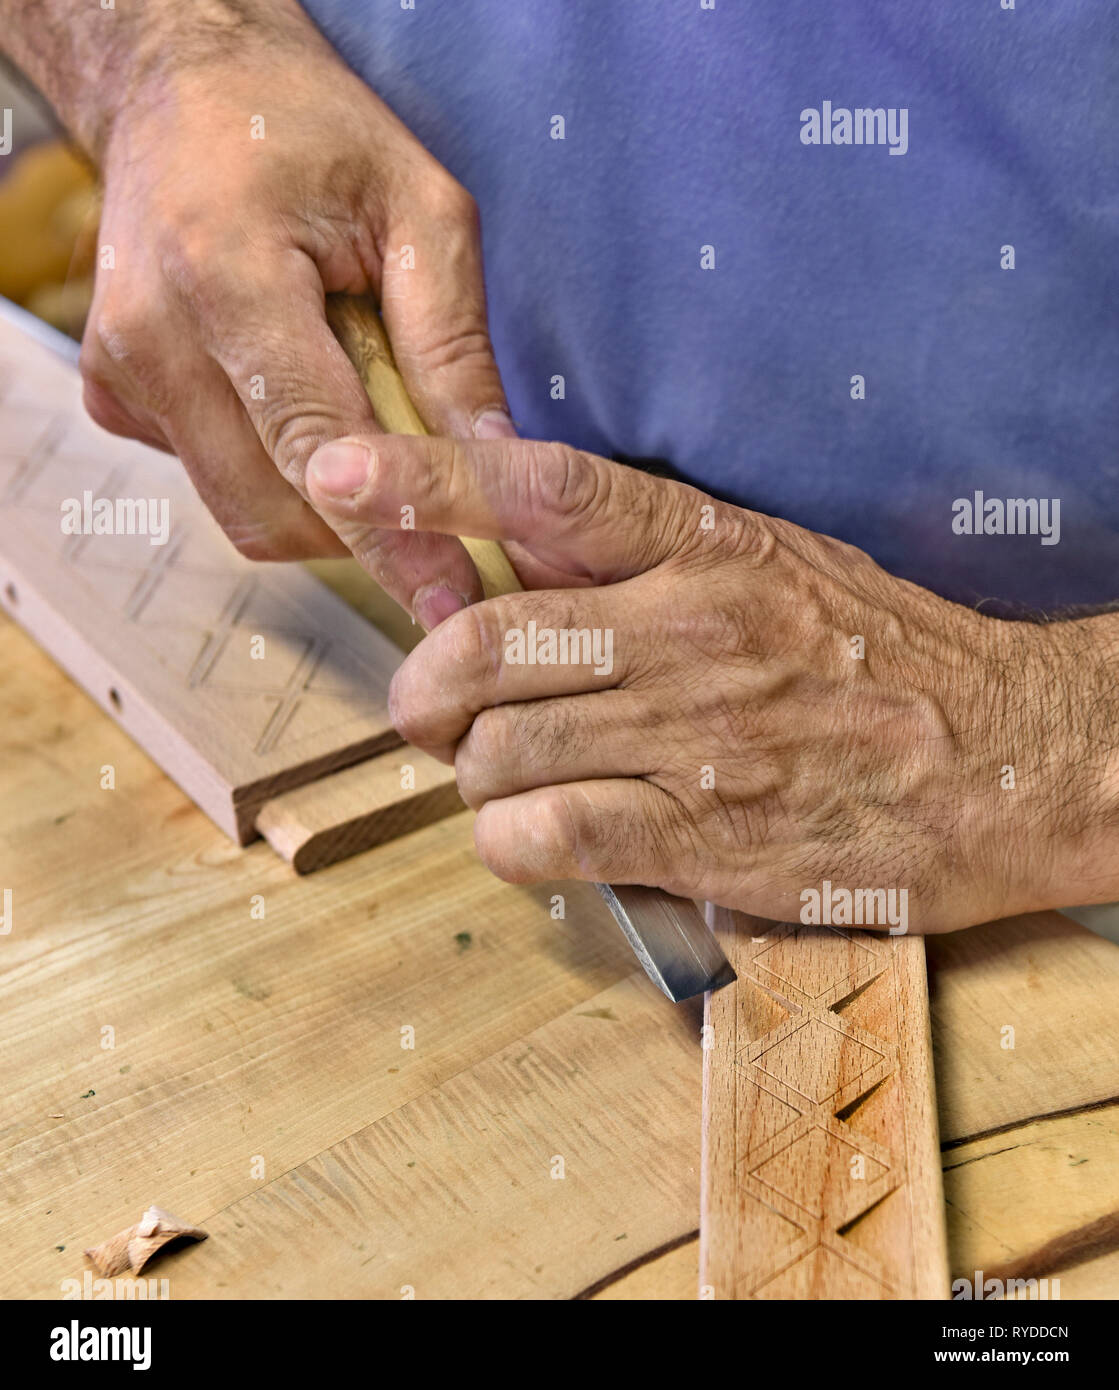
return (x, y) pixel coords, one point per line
(434, 605)
(494, 424)
(339, 469)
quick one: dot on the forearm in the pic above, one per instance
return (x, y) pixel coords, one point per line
(90, 62)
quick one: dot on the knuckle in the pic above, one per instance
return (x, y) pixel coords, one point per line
(372, 548)
(446, 200)
(611, 842)
(753, 537)
(487, 742)
(194, 263)
(469, 641)
(456, 345)
(566, 837)
(715, 626)
(500, 843)
(122, 344)
(120, 330)
(569, 482)
(485, 747)
(381, 551)
(290, 434)
(406, 709)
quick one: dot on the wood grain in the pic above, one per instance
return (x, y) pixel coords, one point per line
(669, 1274)
(522, 1175)
(281, 1037)
(162, 636)
(362, 806)
(1051, 982)
(820, 1170)
(1036, 1202)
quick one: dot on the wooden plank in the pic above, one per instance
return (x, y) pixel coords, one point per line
(517, 1177)
(347, 812)
(820, 1171)
(241, 679)
(1056, 985)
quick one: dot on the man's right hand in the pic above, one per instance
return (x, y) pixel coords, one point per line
(247, 171)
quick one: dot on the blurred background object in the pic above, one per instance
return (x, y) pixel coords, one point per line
(48, 213)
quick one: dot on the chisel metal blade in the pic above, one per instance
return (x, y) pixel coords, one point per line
(670, 938)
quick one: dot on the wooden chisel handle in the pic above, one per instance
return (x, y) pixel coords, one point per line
(669, 936)
(357, 326)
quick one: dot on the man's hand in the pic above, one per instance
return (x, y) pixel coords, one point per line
(247, 171)
(775, 710)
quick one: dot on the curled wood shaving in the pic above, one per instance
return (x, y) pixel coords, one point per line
(130, 1250)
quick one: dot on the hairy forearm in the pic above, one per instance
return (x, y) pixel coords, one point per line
(91, 62)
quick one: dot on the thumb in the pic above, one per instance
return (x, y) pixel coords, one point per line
(573, 510)
(433, 302)
(298, 388)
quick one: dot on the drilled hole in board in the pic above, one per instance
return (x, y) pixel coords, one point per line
(115, 700)
(11, 593)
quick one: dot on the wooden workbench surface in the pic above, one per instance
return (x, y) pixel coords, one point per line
(540, 1139)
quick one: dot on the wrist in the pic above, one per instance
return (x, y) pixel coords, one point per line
(98, 66)
(1055, 753)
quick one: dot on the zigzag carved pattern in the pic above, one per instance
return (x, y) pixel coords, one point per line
(820, 1167)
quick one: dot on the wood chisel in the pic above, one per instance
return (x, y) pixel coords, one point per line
(668, 934)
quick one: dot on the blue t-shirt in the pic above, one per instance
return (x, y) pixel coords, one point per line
(732, 270)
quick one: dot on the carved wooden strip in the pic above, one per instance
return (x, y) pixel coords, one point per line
(335, 817)
(821, 1174)
(161, 635)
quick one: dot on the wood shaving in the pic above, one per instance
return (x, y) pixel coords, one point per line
(130, 1250)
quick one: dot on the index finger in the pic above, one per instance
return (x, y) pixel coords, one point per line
(576, 510)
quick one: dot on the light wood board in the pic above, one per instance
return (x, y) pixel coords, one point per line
(1056, 986)
(820, 1169)
(1041, 1205)
(241, 679)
